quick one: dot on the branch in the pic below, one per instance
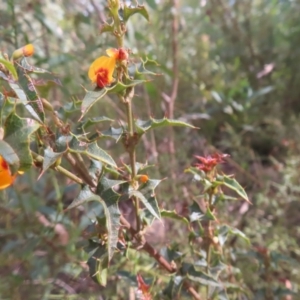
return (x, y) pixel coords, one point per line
(159, 258)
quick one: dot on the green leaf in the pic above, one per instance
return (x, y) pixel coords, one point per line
(199, 175)
(90, 149)
(108, 198)
(23, 99)
(26, 66)
(9, 66)
(225, 230)
(233, 185)
(106, 28)
(90, 99)
(197, 213)
(10, 156)
(95, 169)
(70, 108)
(98, 265)
(154, 211)
(7, 106)
(173, 290)
(17, 133)
(27, 84)
(96, 120)
(130, 11)
(120, 87)
(171, 253)
(173, 215)
(144, 126)
(147, 195)
(139, 70)
(50, 159)
(217, 269)
(199, 276)
(105, 189)
(112, 132)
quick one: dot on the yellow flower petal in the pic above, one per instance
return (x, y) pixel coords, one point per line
(112, 52)
(28, 50)
(101, 70)
(6, 179)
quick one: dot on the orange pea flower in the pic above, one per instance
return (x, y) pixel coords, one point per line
(6, 179)
(143, 178)
(27, 50)
(102, 69)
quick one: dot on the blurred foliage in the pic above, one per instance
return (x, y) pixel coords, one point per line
(238, 82)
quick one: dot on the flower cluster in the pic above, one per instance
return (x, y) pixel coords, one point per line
(209, 162)
(6, 179)
(102, 69)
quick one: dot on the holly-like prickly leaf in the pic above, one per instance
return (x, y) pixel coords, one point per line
(130, 11)
(7, 106)
(225, 230)
(90, 98)
(50, 158)
(110, 206)
(173, 290)
(217, 269)
(96, 120)
(27, 84)
(32, 69)
(139, 70)
(23, 99)
(152, 210)
(147, 196)
(70, 108)
(233, 185)
(199, 175)
(112, 132)
(173, 215)
(17, 133)
(73, 144)
(98, 265)
(106, 190)
(10, 156)
(171, 253)
(199, 276)
(144, 126)
(106, 28)
(119, 87)
(9, 66)
(198, 214)
(95, 169)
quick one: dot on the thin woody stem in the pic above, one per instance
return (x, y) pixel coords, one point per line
(74, 162)
(131, 152)
(158, 257)
(60, 169)
(119, 30)
(208, 240)
(131, 133)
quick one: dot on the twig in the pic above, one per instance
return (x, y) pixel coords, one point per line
(60, 169)
(159, 258)
(170, 100)
(76, 164)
